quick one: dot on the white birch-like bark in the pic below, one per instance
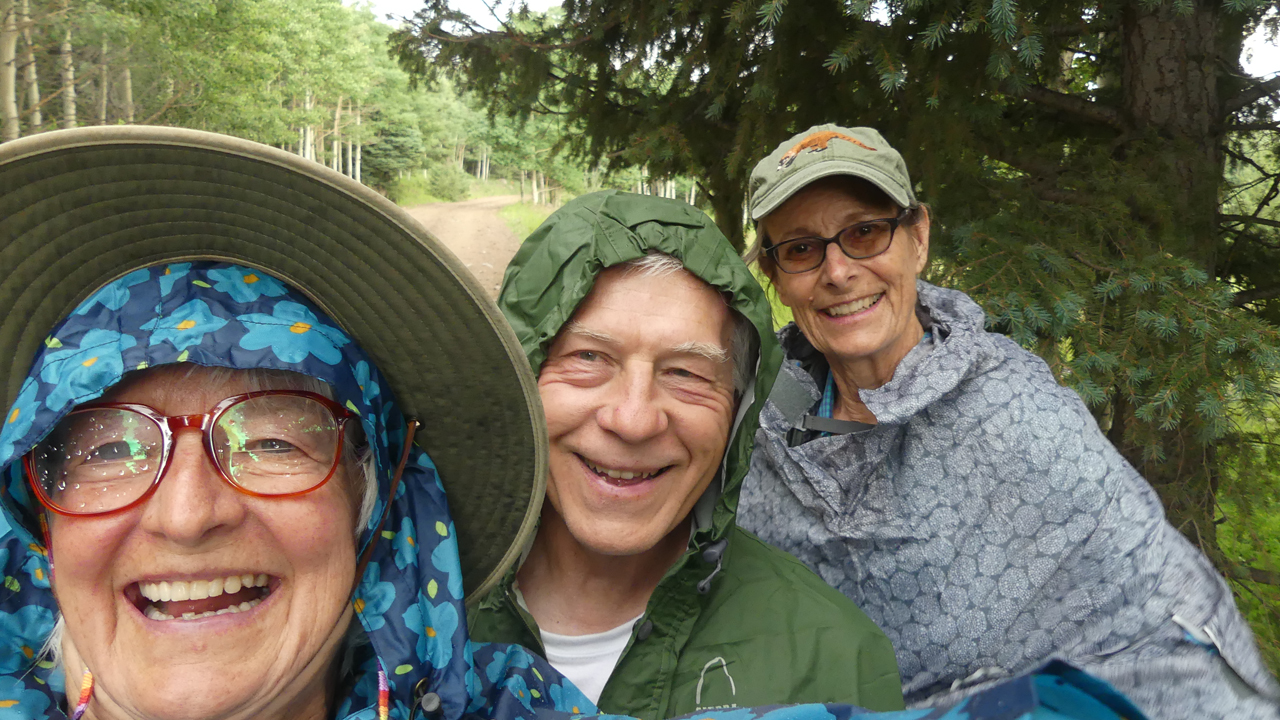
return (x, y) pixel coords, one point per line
(67, 66)
(11, 128)
(335, 162)
(309, 132)
(126, 85)
(693, 193)
(359, 144)
(104, 86)
(34, 118)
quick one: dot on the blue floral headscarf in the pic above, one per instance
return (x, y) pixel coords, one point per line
(409, 599)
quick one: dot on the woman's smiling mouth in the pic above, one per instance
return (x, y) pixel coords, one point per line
(853, 306)
(622, 477)
(196, 599)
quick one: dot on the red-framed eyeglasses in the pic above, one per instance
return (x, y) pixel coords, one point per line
(104, 458)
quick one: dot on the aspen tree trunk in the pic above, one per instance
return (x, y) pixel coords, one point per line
(104, 86)
(693, 192)
(534, 187)
(67, 65)
(35, 119)
(335, 162)
(360, 144)
(309, 132)
(9, 71)
(126, 85)
(521, 186)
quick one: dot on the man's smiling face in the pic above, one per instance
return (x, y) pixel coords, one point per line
(638, 394)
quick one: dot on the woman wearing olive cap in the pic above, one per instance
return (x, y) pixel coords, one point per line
(939, 475)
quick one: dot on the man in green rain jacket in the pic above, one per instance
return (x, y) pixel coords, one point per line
(655, 352)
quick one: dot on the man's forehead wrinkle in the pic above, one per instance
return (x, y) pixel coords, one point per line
(705, 349)
(576, 328)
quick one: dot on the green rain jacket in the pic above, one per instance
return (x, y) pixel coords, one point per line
(734, 622)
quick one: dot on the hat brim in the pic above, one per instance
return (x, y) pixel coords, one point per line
(83, 207)
(829, 168)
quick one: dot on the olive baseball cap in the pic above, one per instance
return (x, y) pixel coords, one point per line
(823, 151)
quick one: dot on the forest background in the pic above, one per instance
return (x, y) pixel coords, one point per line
(1104, 174)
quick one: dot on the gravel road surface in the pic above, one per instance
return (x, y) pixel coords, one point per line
(475, 233)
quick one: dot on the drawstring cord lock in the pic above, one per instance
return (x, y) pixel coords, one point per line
(714, 553)
(425, 701)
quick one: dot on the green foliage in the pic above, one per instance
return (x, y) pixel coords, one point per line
(411, 190)
(400, 146)
(448, 183)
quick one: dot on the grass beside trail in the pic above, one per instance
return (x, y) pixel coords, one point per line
(410, 191)
(523, 218)
(491, 188)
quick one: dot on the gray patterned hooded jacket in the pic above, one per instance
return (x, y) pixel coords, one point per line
(986, 524)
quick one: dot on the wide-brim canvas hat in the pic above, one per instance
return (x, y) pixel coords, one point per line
(81, 208)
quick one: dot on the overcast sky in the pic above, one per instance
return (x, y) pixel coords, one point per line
(477, 9)
(1261, 58)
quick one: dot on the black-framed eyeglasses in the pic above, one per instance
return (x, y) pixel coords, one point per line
(103, 458)
(859, 241)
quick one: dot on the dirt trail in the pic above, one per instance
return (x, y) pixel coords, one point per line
(475, 233)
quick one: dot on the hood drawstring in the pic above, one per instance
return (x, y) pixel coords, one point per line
(713, 554)
(86, 693)
(384, 694)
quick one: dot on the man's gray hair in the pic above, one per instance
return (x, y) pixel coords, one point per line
(743, 339)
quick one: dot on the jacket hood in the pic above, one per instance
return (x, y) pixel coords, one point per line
(556, 268)
(410, 597)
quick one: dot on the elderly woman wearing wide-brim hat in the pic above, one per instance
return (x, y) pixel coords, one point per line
(940, 477)
(211, 357)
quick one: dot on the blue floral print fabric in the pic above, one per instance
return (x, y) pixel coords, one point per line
(409, 599)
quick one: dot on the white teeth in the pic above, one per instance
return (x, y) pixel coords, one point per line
(153, 613)
(199, 590)
(620, 474)
(179, 590)
(854, 306)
